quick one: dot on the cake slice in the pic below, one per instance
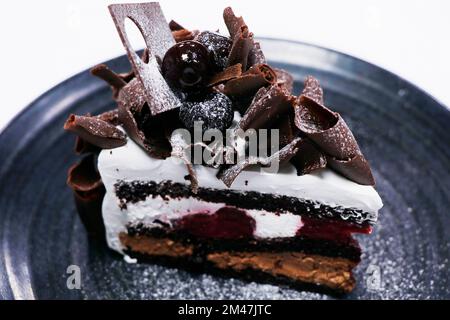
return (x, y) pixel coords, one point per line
(140, 186)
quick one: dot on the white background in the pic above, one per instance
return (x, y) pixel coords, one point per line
(44, 42)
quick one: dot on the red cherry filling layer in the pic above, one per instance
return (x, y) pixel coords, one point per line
(234, 223)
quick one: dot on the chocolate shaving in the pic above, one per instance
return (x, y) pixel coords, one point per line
(268, 106)
(229, 174)
(256, 55)
(234, 24)
(83, 176)
(241, 37)
(356, 168)
(82, 147)
(285, 78)
(175, 26)
(225, 75)
(241, 48)
(112, 117)
(182, 35)
(151, 22)
(89, 191)
(131, 101)
(246, 86)
(308, 158)
(287, 128)
(331, 134)
(96, 131)
(313, 90)
(113, 79)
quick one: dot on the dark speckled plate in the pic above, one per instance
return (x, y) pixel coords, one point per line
(402, 131)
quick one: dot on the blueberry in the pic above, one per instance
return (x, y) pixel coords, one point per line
(187, 66)
(214, 109)
(218, 45)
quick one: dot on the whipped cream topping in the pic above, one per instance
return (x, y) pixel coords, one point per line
(130, 162)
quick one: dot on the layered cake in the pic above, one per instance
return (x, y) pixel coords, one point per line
(285, 213)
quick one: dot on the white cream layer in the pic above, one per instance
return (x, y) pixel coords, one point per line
(130, 163)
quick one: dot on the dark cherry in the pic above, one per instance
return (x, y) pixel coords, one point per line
(215, 110)
(187, 66)
(218, 45)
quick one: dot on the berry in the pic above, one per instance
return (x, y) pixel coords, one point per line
(214, 109)
(187, 66)
(218, 45)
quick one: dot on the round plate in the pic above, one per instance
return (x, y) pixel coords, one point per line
(401, 130)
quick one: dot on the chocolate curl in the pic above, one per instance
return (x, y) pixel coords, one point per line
(256, 55)
(240, 49)
(115, 80)
(313, 90)
(246, 86)
(131, 100)
(268, 106)
(308, 158)
(96, 131)
(158, 37)
(228, 175)
(234, 24)
(83, 147)
(284, 78)
(226, 75)
(112, 117)
(89, 191)
(287, 129)
(244, 49)
(175, 26)
(330, 132)
(182, 35)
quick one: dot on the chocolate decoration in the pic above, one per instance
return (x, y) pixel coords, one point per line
(234, 24)
(85, 182)
(229, 174)
(313, 90)
(112, 117)
(332, 135)
(256, 55)
(241, 48)
(269, 105)
(83, 147)
(131, 100)
(287, 128)
(158, 37)
(308, 158)
(225, 75)
(83, 176)
(116, 81)
(246, 86)
(284, 78)
(175, 26)
(242, 39)
(356, 168)
(113, 79)
(96, 131)
(182, 35)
